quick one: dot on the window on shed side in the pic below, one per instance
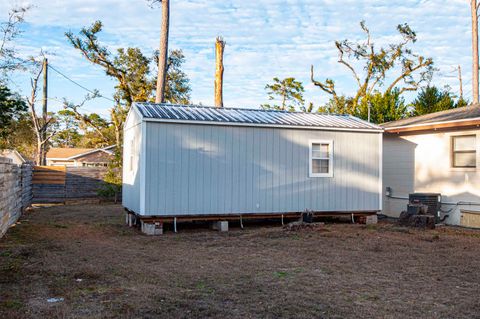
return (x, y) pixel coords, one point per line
(321, 159)
(464, 151)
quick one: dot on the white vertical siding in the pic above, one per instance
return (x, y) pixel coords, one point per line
(131, 188)
(202, 169)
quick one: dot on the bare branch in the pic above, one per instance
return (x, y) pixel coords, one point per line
(83, 118)
(31, 101)
(9, 30)
(342, 61)
(408, 71)
(52, 134)
(328, 86)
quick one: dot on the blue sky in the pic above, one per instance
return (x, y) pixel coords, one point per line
(265, 39)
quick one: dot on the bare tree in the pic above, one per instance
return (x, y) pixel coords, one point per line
(42, 123)
(163, 51)
(219, 48)
(84, 119)
(9, 31)
(415, 69)
(474, 11)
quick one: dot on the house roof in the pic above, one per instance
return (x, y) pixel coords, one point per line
(14, 155)
(60, 152)
(459, 117)
(249, 117)
(71, 152)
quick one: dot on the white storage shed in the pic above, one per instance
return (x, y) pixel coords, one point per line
(219, 162)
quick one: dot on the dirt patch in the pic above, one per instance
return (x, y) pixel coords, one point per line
(104, 269)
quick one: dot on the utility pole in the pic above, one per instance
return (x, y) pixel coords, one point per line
(219, 48)
(460, 81)
(163, 53)
(474, 12)
(44, 111)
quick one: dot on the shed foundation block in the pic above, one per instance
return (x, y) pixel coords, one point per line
(152, 229)
(220, 226)
(372, 219)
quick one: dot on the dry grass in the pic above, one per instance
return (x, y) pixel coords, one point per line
(105, 270)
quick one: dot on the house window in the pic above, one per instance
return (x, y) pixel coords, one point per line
(321, 159)
(464, 151)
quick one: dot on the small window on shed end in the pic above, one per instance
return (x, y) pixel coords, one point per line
(464, 151)
(132, 154)
(321, 158)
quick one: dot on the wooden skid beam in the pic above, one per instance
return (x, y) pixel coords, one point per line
(167, 219)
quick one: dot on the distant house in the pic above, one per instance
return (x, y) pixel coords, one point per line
(14, 155)
(435, 153)
(221, 163)
(78, 157)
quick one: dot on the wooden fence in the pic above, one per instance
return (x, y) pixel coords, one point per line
(48, 184)
(64, 184)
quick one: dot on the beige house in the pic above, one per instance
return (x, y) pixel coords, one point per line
(79, 157)
(435, 153)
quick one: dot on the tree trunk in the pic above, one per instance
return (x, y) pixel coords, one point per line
(474, 11)
(40, 152)
(163, 53)
(219, 48)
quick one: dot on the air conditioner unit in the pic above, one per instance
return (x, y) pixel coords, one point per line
(431, 200)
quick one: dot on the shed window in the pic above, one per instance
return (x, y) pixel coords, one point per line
(132, 154)
(464, 151)
(321, 159)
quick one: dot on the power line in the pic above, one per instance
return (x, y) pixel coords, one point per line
(78, 84)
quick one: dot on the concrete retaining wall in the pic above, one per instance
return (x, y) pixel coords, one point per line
(15, 192)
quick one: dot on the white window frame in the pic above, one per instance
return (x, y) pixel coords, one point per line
(311, 158)
(132, 155)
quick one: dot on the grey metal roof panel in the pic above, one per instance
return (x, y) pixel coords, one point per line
(234, 116)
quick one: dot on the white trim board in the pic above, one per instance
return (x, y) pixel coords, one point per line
(330, 158)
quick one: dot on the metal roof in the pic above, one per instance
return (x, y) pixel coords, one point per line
(458, 114)
(250, 117)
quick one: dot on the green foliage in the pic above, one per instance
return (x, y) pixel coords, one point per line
(113, 177)
(461, 102)
(288, 92)
(384, 107)
(21, 136)
(339, 105)
(432, 99)
(136, 84)
(12, 107)
(16, 130)
(68, 134)
(131, 69)
(82, 130)
(177, 90)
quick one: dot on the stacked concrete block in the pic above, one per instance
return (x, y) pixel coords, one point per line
(152, 229)
(221, 226)
(15, 192)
